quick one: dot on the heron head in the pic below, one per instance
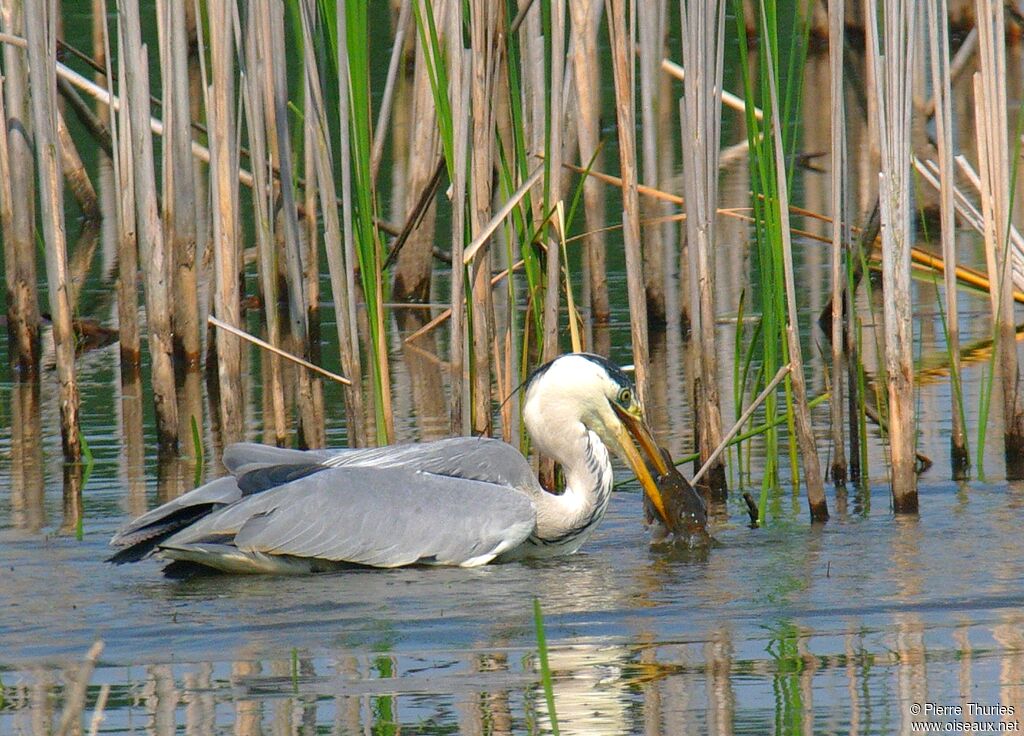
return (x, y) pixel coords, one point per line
(586, 388)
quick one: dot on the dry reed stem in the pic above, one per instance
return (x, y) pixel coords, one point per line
(98, 712)
(224, 191)
(738, 425)
(650, 18)
(728, 98)
(153, 255)
(585, 18)
(483, 28)
(74, 700)
(275, 79)
(263, 206)
(816, 502)
(75, 175)
(278, 351)
(19, 236)
(499, 217)
(459, 96)
(941, 99)
(129, 341)
(990, 100)
(413, 270)
(339, 268)
(840, 231)
(702, 28)
(893, 105)
(179, 208)
(622, 65)
(387, 101)
(553, 121)
(40, 27)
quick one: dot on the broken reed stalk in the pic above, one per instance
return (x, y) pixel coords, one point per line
(623, 54)
(19, 231)
(585, 16)
(942, 94)
(840, 231)
(339, 268)
(220, 96)
(747, 413)
(993, 155)
(297, 360)
(553, 28)
(817, 505)
(263, 206)
(893, 102)
(702, 34)
(179, 196)
(483, 26)
(41, 29)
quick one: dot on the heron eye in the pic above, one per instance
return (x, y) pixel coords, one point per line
(625, 397)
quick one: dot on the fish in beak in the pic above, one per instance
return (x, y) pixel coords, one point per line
(673, 500)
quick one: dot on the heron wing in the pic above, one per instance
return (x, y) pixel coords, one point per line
(138, 537)
(474, 458)
(382, 517)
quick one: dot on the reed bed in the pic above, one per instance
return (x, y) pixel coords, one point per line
(446, 163)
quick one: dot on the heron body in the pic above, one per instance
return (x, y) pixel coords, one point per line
(460, 501)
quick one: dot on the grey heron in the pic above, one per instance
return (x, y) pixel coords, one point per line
(462, 501)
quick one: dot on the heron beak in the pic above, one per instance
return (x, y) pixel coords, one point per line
(636, 442)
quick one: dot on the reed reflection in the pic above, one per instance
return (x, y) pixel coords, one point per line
(28, 511)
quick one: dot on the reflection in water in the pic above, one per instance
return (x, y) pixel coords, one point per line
(27, 509)
(787, 679)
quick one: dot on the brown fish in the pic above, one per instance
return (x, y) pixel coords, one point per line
(687, 512)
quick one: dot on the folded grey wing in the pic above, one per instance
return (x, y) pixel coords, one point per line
(138, 537)
(473, 458)
(383, 517)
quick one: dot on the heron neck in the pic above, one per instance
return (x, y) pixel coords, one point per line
(588, 481)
